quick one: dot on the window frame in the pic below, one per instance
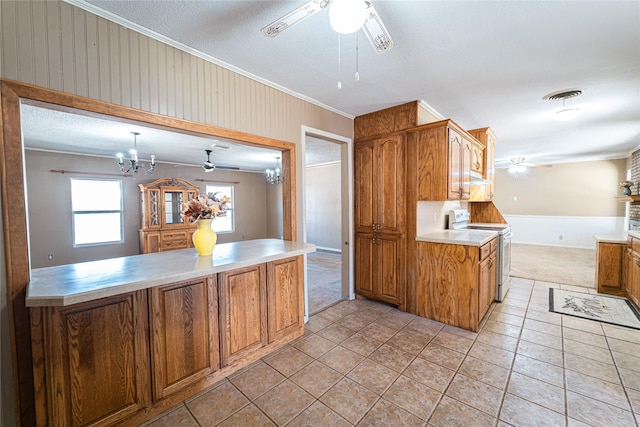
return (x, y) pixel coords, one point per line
(230, 211)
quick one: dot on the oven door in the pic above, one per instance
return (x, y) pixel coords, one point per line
(504, 281)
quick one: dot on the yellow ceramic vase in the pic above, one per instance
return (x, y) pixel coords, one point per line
(204, 238)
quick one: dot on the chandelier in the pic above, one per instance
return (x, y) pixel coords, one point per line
(273, 175)
(135, 165)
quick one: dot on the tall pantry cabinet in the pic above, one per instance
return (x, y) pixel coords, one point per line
(379, 218)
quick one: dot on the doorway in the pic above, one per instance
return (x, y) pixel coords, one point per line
(327, 219)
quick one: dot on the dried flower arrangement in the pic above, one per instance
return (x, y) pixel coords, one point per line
(208, 206)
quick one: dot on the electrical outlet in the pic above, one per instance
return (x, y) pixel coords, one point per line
(515, 198)
(50, 257)
(560, 237)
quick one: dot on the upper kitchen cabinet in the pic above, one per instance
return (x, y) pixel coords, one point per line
(488, 139)
(444, 154)
(379, 184)
(391, 120)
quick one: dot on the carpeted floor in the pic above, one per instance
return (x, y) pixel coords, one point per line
(569, 266)
(323, 279)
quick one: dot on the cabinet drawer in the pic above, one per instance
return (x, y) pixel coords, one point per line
(488, 248)
(634, 243)
(174, 240)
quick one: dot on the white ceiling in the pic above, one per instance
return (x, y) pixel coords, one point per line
(482, 63)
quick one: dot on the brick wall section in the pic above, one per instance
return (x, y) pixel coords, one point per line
(634, 209)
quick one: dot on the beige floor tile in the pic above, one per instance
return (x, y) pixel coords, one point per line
(596, 388)
(442, 356)
(284, 402)
(539, 306)
(317, 323)
(476, 394)
(336, 333)
(540, 352)
(379, 332)
(316, 378)
(624, 334)
(502, 328)
(571, 422)
(492, 354)
(411, 342)
(591, 367)
(349, 399)
(315, 346)
(520, 412)
(214, 406)
(361, 344)
(453, 341)
(596, 413)
(539, 370)
(514, 302)
(627, 361)
(585, 337)
(545, 327)
(542, 338)
(453, 413)
(494, 339)
(435, 376)
(318, 415)
(630, 379)
(413, 396)
(176, 417)
(373, 376)
(249, 416)
(507, 318)
(426, 326)
(486, 372)
(509, 309)
(622, 346)
(288, 361)
(331, 314)
(586, 350)
(459, 331)
(634, 398)
(536, 391)
(356, 321)
(392, 358)
(582, 324)
(341, 359)
(257, 380)
(396, 319)
(385, 413)
(544, 316)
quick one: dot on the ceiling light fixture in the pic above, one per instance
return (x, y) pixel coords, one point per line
(134, 164)
(274, 176)
(347, 16)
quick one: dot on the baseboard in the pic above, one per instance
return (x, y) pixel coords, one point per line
(324, 249)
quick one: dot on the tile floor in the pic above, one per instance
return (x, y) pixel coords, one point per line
(363, 363)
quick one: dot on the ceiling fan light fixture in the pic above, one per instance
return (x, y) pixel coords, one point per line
(567, 114)
(347, 16)
(517, 169)
(208, 166)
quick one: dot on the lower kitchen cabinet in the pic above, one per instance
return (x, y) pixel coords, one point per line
(97, 361)
(285, 297)
(610, 265)
(243, 312)
(488, 277)
(379, 267)
(184, 334)
(632, 279)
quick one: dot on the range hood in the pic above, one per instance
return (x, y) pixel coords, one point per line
(477, 179)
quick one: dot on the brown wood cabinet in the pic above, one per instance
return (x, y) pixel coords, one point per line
(455, 283)
(632, 279)
(162, 225)
(488, 139)
(184, 334)
(610, 265)
(380, 218)
(98, 361)
(285, 297)
(444, 161)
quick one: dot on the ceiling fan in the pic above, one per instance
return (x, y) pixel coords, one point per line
(208, 166)
(519, 165)
(372, 25)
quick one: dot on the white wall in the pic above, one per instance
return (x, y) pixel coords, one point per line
(323, 205)
(433, 216)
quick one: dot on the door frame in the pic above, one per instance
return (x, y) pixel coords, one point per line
(346, 153)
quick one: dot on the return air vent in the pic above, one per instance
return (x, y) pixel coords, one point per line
(563, 94)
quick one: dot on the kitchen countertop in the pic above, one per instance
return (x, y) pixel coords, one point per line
(611, 238)
(87, 281)
(458, 237)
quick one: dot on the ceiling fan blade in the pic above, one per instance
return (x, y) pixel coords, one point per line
(230, 168)
(376, 31)
(292, 18)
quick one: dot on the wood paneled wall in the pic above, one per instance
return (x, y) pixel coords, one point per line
(59, 46)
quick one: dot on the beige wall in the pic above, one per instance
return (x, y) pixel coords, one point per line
(323, 205)
(58, 46)
(570, 189)
(49, 203)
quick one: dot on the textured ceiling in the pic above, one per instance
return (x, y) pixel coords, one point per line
(482, 63)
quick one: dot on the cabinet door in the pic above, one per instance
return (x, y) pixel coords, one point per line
(149, 242)
(487, 286)
(243, 312)
(465, 169)
(477, 158)
(609, 266)
(365, 188)
(97, 360)
(285, 292)
(633, 276)
(389, 261)
(454, 182)
(390, 189)
(365, 269)
(489, 165)
(184, 334)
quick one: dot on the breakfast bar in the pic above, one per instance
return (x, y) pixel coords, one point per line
(151, 330)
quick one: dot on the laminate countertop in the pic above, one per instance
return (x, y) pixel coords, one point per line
(459, 237)
(611, 238)
(69, 284)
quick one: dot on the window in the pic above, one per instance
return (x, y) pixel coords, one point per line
(223, 224)
(96, 207)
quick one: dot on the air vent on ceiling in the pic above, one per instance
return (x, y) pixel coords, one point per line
(563, 94)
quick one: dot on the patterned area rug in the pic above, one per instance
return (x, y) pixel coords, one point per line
(613, 310)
